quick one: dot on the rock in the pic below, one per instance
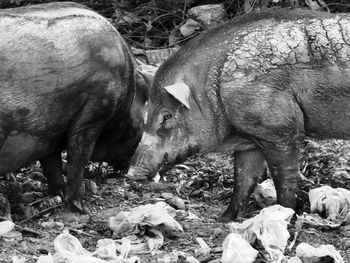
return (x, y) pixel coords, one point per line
(178, 203)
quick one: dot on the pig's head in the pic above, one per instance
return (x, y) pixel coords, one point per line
(122, 134)
(177, 126)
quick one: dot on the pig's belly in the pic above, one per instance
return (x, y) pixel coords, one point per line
(20, 149)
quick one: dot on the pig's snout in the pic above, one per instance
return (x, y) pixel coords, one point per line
(138, 174)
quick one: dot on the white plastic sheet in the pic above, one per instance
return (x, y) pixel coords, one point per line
(265, 193)
(6, 227)
(237, 250)
(151, 215)
(310, 254)
(270, 227)
(333, 202)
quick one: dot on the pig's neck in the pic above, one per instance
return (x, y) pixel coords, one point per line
(204, 80)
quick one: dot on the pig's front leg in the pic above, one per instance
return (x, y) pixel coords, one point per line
(248, 167)
(52, 170)
(283, 162)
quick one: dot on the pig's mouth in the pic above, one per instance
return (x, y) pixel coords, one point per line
(140, 174)
(180, 158)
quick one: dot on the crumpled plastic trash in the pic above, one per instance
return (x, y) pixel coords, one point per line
(156, 218)
(265, 193)
(69, 250)
(150, 215)
(237, 250)
(294, 260)
(204, 249)
(106, 248)
(46, 259)
(18, 259)
(53, 224)
(270, 227)
(314, 220)
(68, 244)
(175, 256)
(210, 15)
(310, 254)
(6, 227)
(334, 203)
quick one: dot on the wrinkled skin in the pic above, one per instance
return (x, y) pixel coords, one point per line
(67, 81)
(256, 86)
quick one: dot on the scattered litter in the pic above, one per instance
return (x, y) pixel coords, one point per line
(181, 213)
(217, 232)
(6, 226)
(67, 244)
(294, 260)
(7, 232)
(310, 254)
(265, 193)
(156, 178)
(183, 166)
(210, 15)
(176, 256)
(18, 259)
(270, 227)
(166, 195)
(189, 27)
(178, 203)
(168, 258)
(237, 250)
(69, 250)
(207, 16)
(334, 203)
(314, 220)
(192, 216)
(53, 225)
(191, 259)
(89, 187)
(46, 259)
(157, 219)
(12, 236)
(298, 227)
(151, 215)
(106, 248)
(48, 202)
(204, 249)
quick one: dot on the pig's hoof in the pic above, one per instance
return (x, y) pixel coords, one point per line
(229, 215)
(77, 206)
(56, 192)
(225, 219)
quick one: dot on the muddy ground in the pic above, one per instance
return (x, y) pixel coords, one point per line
(204, 182)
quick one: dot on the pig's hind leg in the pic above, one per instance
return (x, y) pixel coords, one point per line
(81, 140)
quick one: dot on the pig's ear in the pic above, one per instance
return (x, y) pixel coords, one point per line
(181, 92)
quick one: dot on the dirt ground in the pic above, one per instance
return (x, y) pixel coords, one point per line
(204, 182)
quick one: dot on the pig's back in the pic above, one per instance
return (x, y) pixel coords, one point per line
(54, 60)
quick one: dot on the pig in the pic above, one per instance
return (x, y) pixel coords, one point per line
(255, 86)
(68, 81)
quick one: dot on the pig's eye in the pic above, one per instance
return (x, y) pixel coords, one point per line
(167, 124)
(167, 116)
